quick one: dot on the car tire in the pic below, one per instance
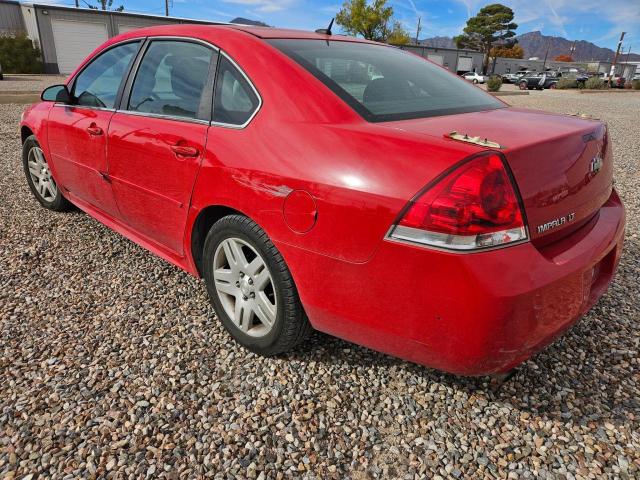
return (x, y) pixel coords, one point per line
(251, 288)
(39, 178)
(523, 86)
(552, 86)
(475, 80)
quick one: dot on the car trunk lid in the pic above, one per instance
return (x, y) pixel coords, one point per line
(561, 163)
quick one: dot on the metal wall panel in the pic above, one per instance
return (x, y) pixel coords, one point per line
(11, 21)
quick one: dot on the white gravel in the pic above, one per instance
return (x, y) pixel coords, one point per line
(112, 364)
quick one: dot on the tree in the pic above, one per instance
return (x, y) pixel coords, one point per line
(18, 55)
(492, 24)
(515, 51)
(563, 58)
(370, 21)
(398, 35)
(104, 5)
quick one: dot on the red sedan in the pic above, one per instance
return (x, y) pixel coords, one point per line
(319, 181)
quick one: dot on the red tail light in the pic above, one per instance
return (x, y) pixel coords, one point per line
(473, 207)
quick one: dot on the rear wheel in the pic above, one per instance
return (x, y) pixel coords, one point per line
(251, 288)
(552, 86)
(39, 178)
(475, 80)
(523, 85)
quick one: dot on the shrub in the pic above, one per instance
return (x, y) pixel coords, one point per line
(636, 84)
(18, 55)
(565, 83)
(595, 83)
(494, 83)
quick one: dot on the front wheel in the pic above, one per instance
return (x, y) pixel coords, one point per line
(523, 85)
(39, 178)
(475, 81)
(251, 288)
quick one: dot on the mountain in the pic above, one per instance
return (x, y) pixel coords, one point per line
(246, 21)
(535, 44)
(438, 42)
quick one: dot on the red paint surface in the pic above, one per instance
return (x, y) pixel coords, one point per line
(471, 313)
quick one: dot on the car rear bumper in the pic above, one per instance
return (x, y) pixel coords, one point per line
(469, 314)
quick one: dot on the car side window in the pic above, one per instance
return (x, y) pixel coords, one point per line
(234, 101)
(171, 79)
(97, 85)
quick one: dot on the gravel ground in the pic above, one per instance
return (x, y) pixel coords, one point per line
(31, 83)
(113, 365)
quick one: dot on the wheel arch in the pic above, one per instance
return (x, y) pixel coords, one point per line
(25, 132)
(201, 226)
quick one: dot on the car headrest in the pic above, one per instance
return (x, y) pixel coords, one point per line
(188, 76)
(386, 89)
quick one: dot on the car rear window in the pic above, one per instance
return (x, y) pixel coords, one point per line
(384, 83)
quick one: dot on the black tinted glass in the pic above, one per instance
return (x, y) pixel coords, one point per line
(97, 85)
(171, 79)
(383, 83)
(235, 101)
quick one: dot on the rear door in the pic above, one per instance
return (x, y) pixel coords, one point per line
(157, 138)
(78, 132)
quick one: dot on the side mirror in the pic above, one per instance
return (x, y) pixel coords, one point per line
(56, 93)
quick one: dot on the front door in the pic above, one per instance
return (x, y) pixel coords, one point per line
(78, 132)
(157, 141)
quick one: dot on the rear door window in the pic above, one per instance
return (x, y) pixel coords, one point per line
(171, 79)
(235, 101)
(97, 84)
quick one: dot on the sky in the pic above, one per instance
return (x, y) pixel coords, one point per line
(597, 21)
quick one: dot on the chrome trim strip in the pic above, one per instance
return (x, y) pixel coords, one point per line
(181, 38)
(84, 107)
(390, 238)
(255, 112)
(164, 117)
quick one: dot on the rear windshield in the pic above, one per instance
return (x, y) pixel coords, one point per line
(384, 83)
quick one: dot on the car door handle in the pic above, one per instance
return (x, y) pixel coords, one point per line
(184, 151)
(94, 130)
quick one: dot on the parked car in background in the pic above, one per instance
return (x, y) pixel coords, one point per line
(570, 73)
(297, 193)
(474, 77)
(510, 78)
(539, 81)
(617, 81)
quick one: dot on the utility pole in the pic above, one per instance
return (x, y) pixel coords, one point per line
(572, 50)
(418, 30)
(77, 4)
(544, 64)
(615, 59)
(166, 8)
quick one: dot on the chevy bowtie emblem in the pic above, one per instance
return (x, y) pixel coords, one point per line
(596, 165)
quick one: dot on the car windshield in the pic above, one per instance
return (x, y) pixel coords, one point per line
(384, 83)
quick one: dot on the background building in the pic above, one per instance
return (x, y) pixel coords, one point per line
(66, 35)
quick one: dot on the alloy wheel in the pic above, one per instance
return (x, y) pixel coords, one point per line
(245, 287)
(40, 174)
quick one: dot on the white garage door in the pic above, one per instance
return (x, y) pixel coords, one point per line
(75, 40)
(465, 64)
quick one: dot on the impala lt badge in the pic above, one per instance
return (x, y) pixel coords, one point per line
(557, 222)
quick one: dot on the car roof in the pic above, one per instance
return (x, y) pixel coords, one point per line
(230, 29)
